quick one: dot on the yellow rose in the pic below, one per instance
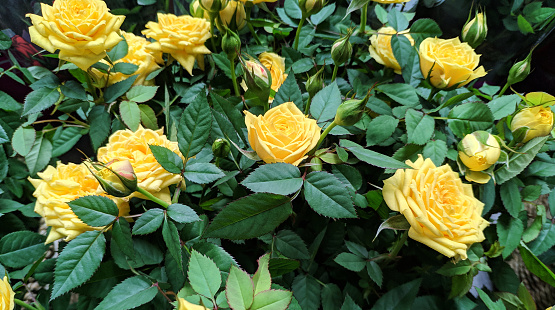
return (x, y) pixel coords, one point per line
(185, 305)
(234, 15)
(390, 1)
(284, 134)
(276, 65)
(256, 1)
(146, 60)
(476, 155)
(182, 37)
(442, 211)
(59, 185)
(6, 295)
(380, 47)
(83, 30)
(134, 146)
(538, 119)
(449, 62)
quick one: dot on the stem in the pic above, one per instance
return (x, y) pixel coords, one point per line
(151, 197)
(234, 77)
(504, 89)
(363, 17)
(323, 136)
(307, 108)
(24, 305)
(334, 72)
(433, 92)
(298, 33)
(212, 29)
(266, 106)
(399, 244)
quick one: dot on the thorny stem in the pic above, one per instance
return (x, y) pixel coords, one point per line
(399, 244)
(151, 197)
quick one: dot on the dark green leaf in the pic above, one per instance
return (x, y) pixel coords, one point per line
(402, 93)
(40, 99)
(202, 173)
(452, 269)
(420, 127)
(510, 195)
(121, 234)
(510, 231)
(331, 295)
(23, 140)
(129, 294)
(167, 159)
(281, 266)
(98, 120)
(194, 127)
(396, 222)
(424, 28)
(171, 238)
(291, 245)
(95, 211)
(66, 140)
(469, 117)
(124, 68)
(397, 20)
(355, 5)
(182, 213)
(9, 103)
(21, 248)
(351, 261)
(503, 106)
(371, 157)
(325, 103)
(74, 89)
(289, 92)
(535, 266)
(519, 161)
(148, 222)
(39, 156)
(383, 127)
(119, 51)
(5, 41)
(436, 150)
(277, 178)
(544, 241)
(328, 196)
(498, 305)
(307, 291)
(375, 272)
(148, 117)
(401, 297)
(114, 91)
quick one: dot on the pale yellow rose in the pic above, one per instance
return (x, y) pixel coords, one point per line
(82, 30)
(442, 211)
(538, 119)
(185, 305)
(449, 63)
(182, 37)
(59, 185)
(234, 9)
(476, 155)
(276, 65)
(283, 134)
(380, 47)
(134, 146)
(6, 295)
(137, 54)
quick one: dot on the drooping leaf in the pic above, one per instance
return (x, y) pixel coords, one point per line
(536, 266)
(371, 157)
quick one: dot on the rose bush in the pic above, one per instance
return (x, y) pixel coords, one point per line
(380, 47)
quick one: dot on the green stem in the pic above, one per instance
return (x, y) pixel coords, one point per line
(503, 90)
(363, 17)
(323, 136)
(334, 72)
(151, 197)
(399, 244)
(433, 92)
(266, 105)
(307, 108)
(24, 305)
(212, 30)
(234, 77)
(298, 33)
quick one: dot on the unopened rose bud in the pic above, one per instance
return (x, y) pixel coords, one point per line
(342, 49)
(257, 79)
(315, 83)
(212, 6)
(231, 44)
(537, 120)
(475, 30)
(232, 16)
(221, 148)
(117, 178)
(350, 111)
(311, 7)
(479, 150)
(520, 70)
(197, 11)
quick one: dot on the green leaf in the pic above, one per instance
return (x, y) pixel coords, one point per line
(302, 65)
(171, 238)
(78, 261)
(262, 280)
(536, 266)
(148, 117)
(523, 25)
(291, 245)
(510, 231)
(194, 127)
(436, 150)
(504, 106)
(223, 259)
(420, 127)
(278, 178)
(331, 294)
(182, 213)
(383, 127)
(202, 173)
(328, 196)
(23, 140)
(397, 20)
(95, 211)
(169, 160)
(145, 253)
(74, 89)
(371, 157)
(21, 248)
(510, 195)
(402, 93)
(250, 217)
(239, 289)
(223, 63)
(5, 41)
(544, 241)
(130, 114)
(119, 51)
(39, 156)
(289, 92)
(451, 269)
(350, 261)
(124, 68)
(114, 91)
(40, 99)
(424, 28)
(65, 140)
(307, 291)
(396, 222)
(401, 297)
(129, 294)
(121, 234)
(498, 305)
(141, 93)
(233, 115)
(469, 117)
(272, 300)
(204, 275)
(402, 49)
(325, 103)
(148, 222)
(519, 161)
(375, 272)
(355, 5)
(98, 131)
(9, 103)
(281, 266)
(323, 15)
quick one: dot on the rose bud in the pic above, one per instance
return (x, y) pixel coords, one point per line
(342, 49)
(479, 150)
(257, 79)
(233, 16)
(315, 83)
(520, 70)
(231, 44)
(212, 6)
(311, 7)
(117, 178)
(197, 10)
(221, 148)
(350, 112)
(538, 120)
(475, 30)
